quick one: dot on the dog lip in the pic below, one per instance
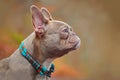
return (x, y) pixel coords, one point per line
(77, 45)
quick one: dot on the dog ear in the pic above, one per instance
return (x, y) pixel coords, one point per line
(46, 13)
(39, 21)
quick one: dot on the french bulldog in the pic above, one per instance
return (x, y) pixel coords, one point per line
(51, 39)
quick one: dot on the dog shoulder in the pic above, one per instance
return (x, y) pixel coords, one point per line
(4, 64)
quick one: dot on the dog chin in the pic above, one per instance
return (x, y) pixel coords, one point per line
(66, 51)
(62, 53)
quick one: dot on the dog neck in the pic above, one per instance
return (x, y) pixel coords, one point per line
(37, 52)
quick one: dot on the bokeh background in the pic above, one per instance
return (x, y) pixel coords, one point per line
(97, 23)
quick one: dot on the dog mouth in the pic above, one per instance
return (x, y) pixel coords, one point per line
(70, 45)
(77, 45)
(66, 51)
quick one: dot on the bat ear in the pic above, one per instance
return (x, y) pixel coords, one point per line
(46, 13)
(38, 20)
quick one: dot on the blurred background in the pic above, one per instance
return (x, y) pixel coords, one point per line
(97, 23)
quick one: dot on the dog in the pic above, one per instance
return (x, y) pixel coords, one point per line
(51, 39)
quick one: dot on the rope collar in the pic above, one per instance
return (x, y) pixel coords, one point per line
(42, 70)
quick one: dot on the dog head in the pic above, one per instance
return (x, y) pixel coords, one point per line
(54, 37)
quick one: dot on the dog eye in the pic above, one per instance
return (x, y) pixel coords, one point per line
(65, 30)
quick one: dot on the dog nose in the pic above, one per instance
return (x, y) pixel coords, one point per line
(73, 33)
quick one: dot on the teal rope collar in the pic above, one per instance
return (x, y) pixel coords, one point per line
(42, 70)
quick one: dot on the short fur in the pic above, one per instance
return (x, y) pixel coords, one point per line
(51, 39)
